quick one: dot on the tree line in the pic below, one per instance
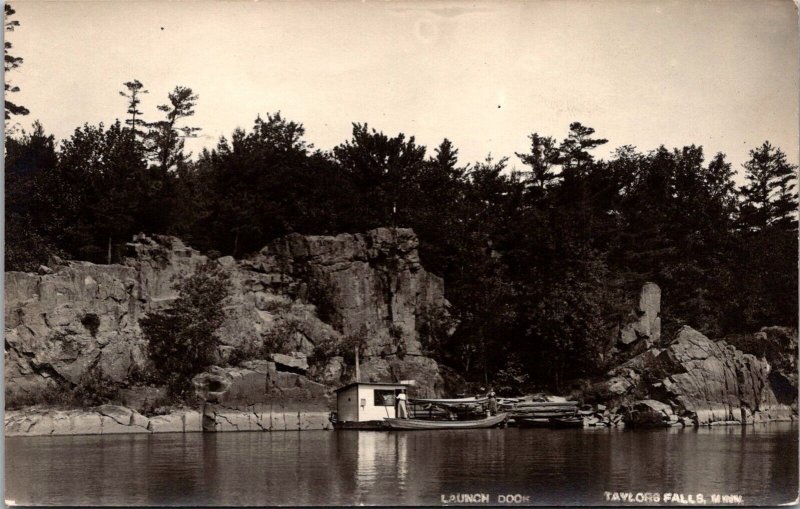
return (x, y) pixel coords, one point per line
(540, 263)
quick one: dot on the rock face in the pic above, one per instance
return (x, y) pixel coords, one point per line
(649, 413)
(257, 382)
(367, 286)
(646, 322)
(425, 371)
(113, 419)
(46, 316)
(781, 352)
(705, 381)
(103, 420)
(295, 296)
(371, 282)
(259, 397)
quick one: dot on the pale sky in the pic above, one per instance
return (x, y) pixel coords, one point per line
(485, 75)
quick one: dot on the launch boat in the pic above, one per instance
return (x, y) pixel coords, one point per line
(374, 406)
(413, 424)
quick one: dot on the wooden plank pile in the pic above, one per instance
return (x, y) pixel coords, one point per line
(545, 409)
(551, 412)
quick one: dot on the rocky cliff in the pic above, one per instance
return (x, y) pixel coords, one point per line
(702, 382)
(690, 379)
(300, 295)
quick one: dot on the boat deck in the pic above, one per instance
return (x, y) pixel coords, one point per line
(419, 424)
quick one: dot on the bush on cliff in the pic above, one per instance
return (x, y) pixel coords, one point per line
(95, 388)
(344, 347)
(278, 339)
(182, 339)
(92, 389)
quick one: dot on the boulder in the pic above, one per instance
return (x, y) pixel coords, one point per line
(295, 362)
(622, 384)
(647, 413)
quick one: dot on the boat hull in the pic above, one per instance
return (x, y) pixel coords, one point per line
(419, 424)
(361, 425)
(549, 422)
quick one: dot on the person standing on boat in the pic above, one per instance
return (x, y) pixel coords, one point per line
(402, 411)
(492, 406)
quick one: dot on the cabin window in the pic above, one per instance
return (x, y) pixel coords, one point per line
(384, 397)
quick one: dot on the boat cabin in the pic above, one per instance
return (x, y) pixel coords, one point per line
(368, 401)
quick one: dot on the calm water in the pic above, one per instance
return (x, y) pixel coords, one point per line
(416, 467)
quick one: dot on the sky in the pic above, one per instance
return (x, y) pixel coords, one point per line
(723, 75)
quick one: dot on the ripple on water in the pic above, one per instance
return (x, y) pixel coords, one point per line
(350, 467)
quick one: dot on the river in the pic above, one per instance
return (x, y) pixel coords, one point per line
(757, 463)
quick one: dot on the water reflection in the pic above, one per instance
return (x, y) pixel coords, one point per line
(367, 464)
(399, 468)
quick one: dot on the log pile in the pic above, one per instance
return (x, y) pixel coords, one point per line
(545, 409)
(553, 411)
(550, 412)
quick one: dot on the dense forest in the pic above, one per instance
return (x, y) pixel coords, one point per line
(540, 262)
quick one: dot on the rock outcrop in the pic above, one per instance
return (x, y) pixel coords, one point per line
(103, 420)
(260, 382)
(645, 321)
(300, 296)
(113, 419)
(259, 397)
(59, 325)
(370, 282)
(702, 380)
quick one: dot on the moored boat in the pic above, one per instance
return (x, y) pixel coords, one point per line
(549, 422)
(532, 422)
(418, 424)
(381, 406)
(566, 422)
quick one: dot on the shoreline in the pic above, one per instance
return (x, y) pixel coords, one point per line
(116, 419)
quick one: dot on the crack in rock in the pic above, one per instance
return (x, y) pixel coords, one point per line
(228, 420)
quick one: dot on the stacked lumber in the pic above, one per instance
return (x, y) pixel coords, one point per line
(544, 409)
(544, 413)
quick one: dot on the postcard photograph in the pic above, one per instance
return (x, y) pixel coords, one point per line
(401, 253)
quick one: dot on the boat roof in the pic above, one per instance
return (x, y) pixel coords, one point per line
(394, 384)
(452, 402)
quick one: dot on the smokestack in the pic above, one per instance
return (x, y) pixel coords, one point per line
(358, 367)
